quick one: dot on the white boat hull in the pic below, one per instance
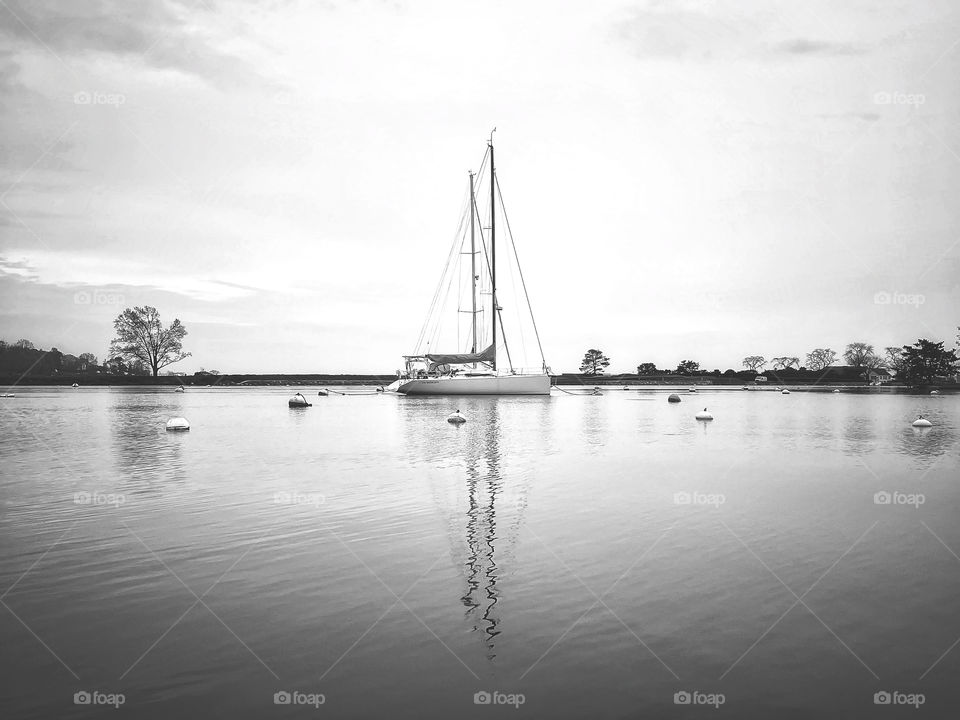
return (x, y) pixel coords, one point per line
(478, 385)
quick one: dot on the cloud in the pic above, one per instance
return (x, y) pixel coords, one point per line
(704, 31)
(17, 268)
(163, 35)
(9, 70)
(806, 46)
(78, 270)
(660, 31)
(868, 116)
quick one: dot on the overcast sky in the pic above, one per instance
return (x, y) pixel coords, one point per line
(702, 180)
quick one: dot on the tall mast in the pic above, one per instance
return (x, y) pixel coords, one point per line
(493, 248)
(473, 272)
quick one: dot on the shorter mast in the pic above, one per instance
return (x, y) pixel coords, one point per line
(473, 272)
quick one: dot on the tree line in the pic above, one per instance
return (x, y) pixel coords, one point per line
(920, 363)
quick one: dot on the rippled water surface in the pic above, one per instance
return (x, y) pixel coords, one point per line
(594, 554)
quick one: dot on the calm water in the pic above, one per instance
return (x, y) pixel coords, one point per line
(366, 550)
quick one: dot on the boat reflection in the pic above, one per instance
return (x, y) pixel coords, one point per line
(484, 488)
(481, 477)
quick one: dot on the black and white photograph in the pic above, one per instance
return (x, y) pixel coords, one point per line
(515, 359)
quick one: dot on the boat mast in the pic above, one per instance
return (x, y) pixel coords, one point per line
(473, 271)
(493, 248)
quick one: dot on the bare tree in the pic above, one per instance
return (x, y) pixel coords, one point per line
(142, 336)
(820, 359)
(754, 362)
(782, 363)
(894, 359)
(857, 354)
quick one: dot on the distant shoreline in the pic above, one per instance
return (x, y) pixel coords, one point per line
(312, 379)
(225, 380)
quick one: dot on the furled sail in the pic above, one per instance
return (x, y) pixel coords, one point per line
(487, 355)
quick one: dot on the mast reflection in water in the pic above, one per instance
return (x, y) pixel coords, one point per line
(479, 493)
(484, 486)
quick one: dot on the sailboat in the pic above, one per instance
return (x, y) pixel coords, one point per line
(476, 370)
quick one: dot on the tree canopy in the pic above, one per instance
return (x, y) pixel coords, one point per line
(859, 354)
(141, 336)
(594, 362)
(893, 357)
(754, 362)
(782, 363)
(820, 359)
(925, 360)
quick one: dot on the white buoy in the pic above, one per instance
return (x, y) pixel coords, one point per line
(836, 390)
(934, 392)
(456, 418)
(921, 421)
(673, 397)
(704, 415)
(178, 423)
(298, 400)
(784, 392)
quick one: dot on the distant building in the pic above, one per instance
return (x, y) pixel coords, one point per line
(114, 366)
(878, 376)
